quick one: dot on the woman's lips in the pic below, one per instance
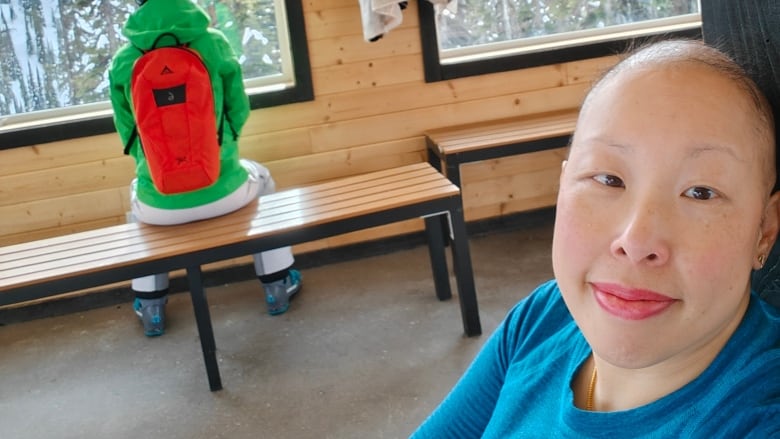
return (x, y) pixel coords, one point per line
(630, 303)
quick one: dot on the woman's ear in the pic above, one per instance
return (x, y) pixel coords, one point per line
(769, 228)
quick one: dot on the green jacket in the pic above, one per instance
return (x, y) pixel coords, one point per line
(190, 23)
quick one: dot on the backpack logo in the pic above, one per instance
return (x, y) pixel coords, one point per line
(173, 104)
(170, 96)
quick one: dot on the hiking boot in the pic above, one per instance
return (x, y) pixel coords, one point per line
(279, 293)
(152, 315)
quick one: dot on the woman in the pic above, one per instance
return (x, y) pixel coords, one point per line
(650, 328)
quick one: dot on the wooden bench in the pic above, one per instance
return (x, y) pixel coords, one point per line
(450, 147)
(53, 266)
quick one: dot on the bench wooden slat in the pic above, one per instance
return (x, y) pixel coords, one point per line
(484, 140)
(450, 147)
(470, 137)
(350, 183)
(323, 203)
(379, 177)
(293, 196)
(176, 238)
(271, 206)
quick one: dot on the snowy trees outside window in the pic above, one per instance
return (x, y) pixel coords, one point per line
(477, 27)
(56, 53)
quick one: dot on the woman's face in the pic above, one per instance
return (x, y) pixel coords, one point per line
(660, 213)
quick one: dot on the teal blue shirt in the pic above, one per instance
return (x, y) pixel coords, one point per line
(519, 384)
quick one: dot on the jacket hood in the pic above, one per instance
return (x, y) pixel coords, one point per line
(182, 18)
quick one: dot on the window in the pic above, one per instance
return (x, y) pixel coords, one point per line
(56, 55)
(473, 37)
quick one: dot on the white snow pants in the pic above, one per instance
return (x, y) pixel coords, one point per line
(259, 183)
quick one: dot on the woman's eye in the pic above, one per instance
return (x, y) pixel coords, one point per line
(609, 180)
(700, 193)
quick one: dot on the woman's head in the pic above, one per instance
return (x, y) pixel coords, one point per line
(664, 205)
(681, 52)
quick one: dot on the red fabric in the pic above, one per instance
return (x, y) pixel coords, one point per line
(174, 111)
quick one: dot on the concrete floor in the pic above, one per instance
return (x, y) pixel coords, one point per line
(365, 351)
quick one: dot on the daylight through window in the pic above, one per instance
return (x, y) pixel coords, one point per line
(481, 29)
(56, 53)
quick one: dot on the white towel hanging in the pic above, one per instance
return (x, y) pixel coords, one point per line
(379, 17)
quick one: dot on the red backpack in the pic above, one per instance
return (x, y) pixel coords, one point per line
(173, 103)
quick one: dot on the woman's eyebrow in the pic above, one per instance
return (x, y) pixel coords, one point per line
(605, 142)
(692, 152)
(697, 151)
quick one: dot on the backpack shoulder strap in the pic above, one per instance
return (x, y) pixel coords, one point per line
(134, 134)
(165, 34)
(222, 120)
(130, 141)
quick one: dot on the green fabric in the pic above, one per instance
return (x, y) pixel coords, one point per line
(190, 23)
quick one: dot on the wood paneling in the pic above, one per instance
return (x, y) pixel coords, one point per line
(370, 111)
(368, 74)
(588, 70)
(378, 101)
(352, 48)
(63, 211)
(53, 155)
(65, 180)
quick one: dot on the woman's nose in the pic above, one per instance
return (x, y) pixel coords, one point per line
(642, 238)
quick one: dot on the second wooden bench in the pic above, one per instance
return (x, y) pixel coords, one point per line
(450, 147)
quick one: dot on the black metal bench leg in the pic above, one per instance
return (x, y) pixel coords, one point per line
(464, 273)
(205, 331)
(433, 158)
(453, 169)
(450, 169)
(435, 235)
(452, 166)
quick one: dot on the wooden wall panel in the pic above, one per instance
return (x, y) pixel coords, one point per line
(588, 70)
(286, 117)
(324, 5)
(347, 161)
(511, 184)
(276, 145)
(418, 95)
(352, 48)
(368, 74)
(401, 97)
(385, 127)
(371, 109)
(62, 181)
(53, 155)
(63, 211)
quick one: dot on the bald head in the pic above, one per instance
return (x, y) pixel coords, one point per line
(675, 54)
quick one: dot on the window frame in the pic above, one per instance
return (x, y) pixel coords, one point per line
(91, 123)
(436, 71)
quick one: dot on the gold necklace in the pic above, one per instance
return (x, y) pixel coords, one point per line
(591, 387)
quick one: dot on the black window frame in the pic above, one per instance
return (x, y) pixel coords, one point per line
(436, 71)
(84, 127)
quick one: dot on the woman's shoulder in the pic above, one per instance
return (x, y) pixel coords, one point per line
(545, 300)
(759, 331)
(539, 317)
